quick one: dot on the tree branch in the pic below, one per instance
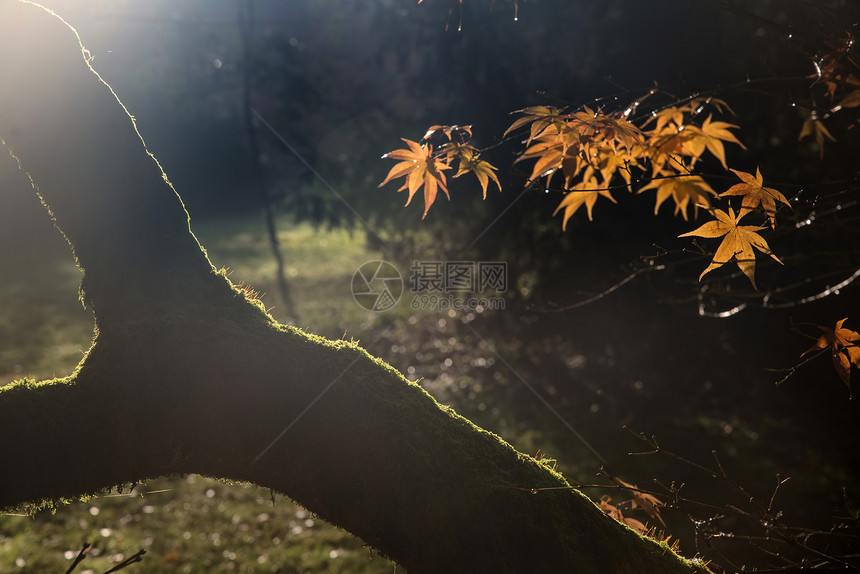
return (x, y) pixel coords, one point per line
(189, 375)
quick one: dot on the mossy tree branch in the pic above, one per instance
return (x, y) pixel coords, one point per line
(186, 375)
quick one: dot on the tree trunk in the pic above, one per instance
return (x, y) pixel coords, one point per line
(187, 375)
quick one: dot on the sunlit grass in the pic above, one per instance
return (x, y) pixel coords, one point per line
(186, 524)
(319, 267)
(190, 524)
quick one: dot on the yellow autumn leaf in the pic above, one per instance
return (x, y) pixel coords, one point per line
(673, 115)
(469, 161)
(540, 117)
(710, 136)
(667, 147)
(556, 148)
(584, 193)
(684, 191)
(737, 244)
(420, 168)
(754, 194)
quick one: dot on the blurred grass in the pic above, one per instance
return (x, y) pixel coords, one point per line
(186, 524)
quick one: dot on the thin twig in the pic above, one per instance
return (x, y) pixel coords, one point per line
(136, 557)
(81, 555)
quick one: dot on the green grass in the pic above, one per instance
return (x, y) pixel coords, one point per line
(186, 524)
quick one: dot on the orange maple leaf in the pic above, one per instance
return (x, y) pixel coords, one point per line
(541, 117)
(420, 168)
(666, 115)
(611, 162)
(484, 171)
(813, 126)
(666, 145)
(738, 243)
(549, 150)
(711, 137)
(756, 194)
(844, 349)
(584, 193)
(462, 133)
(683, 190)
(612, 131)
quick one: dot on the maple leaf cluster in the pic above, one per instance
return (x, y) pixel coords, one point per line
(424, 164)
(589, 153)
(588, 150)
(740, 240)
(592, 149)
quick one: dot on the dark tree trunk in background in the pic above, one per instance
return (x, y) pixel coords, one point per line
(186, 375)
(246, 20)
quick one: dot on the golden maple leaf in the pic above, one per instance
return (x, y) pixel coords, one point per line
(463, 133)
(610, 131)
(813, 126)
(611, 162)
(844, 349)
(711, 137)
(548, 149)
(584, 193)
(665, 146)
(469, 160)
(684, 190)
(754, 194)
(672, 114)
(737, 244)
(541, 117)
(421, 168)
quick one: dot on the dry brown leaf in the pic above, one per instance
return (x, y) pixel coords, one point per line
(844, 349)
(647, 502)
(852, 100)
(815, 127)
(610, 509)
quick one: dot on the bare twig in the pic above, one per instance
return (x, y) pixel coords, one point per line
(81, 555)
(136, 557)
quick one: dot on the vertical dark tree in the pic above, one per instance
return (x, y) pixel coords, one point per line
(246, 23)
